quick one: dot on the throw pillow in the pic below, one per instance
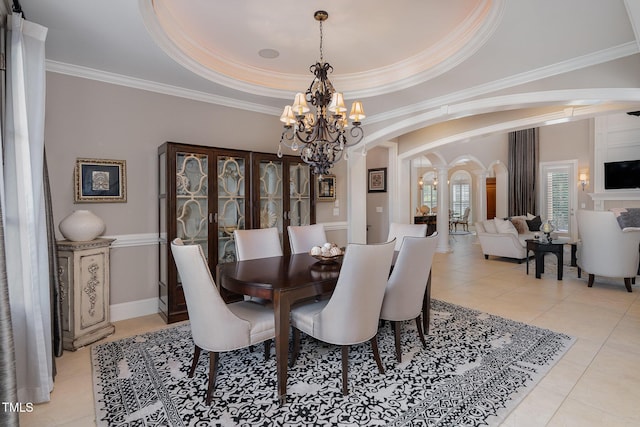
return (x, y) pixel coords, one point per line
(505, 226)
(530, 217)
(490, 226)
(534, 224)
(520, 224)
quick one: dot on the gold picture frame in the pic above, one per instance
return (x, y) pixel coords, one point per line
(97, 180)
(326, 190)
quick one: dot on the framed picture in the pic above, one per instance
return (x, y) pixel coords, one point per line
(326, 189)
(100, 181)
(378, 180)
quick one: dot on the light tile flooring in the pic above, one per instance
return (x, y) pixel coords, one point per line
(597, 383)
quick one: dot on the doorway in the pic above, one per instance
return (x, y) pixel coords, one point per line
(491, 198)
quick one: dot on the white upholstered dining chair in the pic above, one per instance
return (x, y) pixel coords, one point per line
(407, 285)
(303, 237)
(604, 249)
(216, 326)
(254, 244)
(399, 231)
(257, 243)
(351, 315)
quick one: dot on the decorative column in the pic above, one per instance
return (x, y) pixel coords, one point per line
(442, 224)
(84, 287)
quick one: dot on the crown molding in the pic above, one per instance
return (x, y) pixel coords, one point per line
(135, 83)
(600, 57)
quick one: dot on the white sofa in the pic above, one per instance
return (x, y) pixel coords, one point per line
(501, 238)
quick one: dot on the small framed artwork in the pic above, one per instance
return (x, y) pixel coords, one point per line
(326, 189)
(378, 180)
(100, 181)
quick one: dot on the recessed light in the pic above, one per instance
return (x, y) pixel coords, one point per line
(268, 53)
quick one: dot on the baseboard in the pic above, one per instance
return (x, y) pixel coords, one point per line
(128, 310)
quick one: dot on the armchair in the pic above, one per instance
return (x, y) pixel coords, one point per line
(303, 237)
(605, 250)
(216, 326)
(399, 231)
(351, 315)
(407, 285)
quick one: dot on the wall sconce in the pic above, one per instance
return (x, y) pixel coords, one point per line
(584, 181)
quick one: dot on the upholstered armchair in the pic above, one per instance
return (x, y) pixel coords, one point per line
(399, 231)
(257, 243)
(352, 313)
(463, 221)
(303, 237)
(407, 285)
(216, 326)
(604, 249)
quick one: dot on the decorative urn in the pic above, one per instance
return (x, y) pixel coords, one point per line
(81, 226)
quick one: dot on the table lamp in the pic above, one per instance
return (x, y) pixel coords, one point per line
(547, 228)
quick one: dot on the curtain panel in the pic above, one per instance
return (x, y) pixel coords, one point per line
(523, 171)
(24, 209)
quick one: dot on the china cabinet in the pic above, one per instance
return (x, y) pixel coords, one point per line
(205, 193)
(203, 196)
(282, 193)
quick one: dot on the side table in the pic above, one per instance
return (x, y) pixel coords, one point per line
(83, 270)
(540, 247)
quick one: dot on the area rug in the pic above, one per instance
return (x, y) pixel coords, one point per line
(476, 368)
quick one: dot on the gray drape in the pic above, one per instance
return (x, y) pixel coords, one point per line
(54, 278)
(523, 171)
(8, 385)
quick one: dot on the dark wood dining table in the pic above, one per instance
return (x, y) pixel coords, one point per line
(286, 280)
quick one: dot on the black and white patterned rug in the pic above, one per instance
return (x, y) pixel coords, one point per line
(476, 369)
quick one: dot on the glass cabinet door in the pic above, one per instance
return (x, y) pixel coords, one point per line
(299, 194)
(231, 179)
(192, 199)
(271, 185)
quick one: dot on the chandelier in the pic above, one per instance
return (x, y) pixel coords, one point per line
(321, 135)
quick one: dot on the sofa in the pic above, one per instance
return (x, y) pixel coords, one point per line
(507, 237)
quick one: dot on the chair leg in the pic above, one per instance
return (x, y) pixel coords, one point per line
(296, 347)
(627, 283)
(196, 356)
(376, 353)
(267, 349)
(590, 283)
(396, 334)
(345, 369)
(213, 372)
(420, 334)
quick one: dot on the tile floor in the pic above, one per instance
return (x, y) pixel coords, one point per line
(597, 383)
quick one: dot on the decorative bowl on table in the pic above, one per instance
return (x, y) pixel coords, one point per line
(329, 253)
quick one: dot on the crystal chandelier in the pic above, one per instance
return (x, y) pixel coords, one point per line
(321, 136)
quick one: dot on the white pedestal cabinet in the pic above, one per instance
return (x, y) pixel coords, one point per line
(83, 270)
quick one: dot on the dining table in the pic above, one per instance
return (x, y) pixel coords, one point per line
(287, 280)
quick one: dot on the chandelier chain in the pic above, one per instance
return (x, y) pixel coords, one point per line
(321, 37)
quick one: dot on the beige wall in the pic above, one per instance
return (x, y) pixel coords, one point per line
(377, 222)
(86, 118)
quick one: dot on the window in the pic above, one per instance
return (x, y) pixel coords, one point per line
(557, 203)
(460, 192)
(558, 194)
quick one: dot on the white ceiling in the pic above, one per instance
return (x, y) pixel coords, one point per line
(412, 62)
